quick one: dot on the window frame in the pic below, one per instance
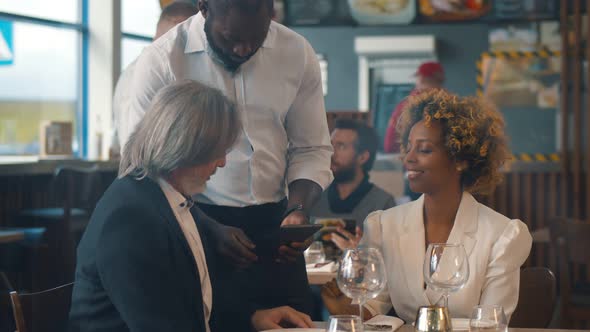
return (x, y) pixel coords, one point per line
(82, 92)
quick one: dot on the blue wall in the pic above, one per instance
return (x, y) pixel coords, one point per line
(458, 48)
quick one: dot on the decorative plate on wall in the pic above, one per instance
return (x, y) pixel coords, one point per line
(371, 12)
(454, 10)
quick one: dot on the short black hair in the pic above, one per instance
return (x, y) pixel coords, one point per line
(366, 139)
(177, 9)
(247, 6)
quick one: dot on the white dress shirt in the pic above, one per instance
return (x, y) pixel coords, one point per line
(496, 247)
(185, 219)
(278, 93)
(121, 100)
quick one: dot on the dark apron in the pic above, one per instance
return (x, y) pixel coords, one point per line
(266, 283)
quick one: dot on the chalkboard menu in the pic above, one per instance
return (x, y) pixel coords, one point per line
(386, 98)
(317, 12)
(525, 9)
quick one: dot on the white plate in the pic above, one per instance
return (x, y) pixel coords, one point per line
(460, 324)
(296, 330)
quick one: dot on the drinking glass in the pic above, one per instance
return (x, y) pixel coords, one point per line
(488, 318)
(315, 253)
(345, 323)
(361, 275)
(446, 268)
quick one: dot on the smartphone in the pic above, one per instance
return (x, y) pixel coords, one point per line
(297, 233)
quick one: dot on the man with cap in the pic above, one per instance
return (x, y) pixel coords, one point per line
(429, 75)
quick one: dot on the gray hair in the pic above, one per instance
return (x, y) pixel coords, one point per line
(188, 124)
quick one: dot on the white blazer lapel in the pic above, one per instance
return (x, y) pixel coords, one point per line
(464, 229)
(465, 225)
(412, 243)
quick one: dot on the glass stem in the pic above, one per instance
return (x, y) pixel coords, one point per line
(446, 299)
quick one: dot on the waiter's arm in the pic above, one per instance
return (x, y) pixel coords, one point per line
(310, 149)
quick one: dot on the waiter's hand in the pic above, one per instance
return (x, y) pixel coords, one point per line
(295, 218)
(233, 243)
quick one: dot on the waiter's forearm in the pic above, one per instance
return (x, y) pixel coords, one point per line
(304, 192)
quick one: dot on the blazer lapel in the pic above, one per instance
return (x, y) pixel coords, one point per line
(464, 229)
(412, 242)
(160, 200)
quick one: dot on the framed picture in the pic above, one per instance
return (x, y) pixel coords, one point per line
(55, 138)
(520, 79)
(454, 10)
(317, 12)
(525, 9)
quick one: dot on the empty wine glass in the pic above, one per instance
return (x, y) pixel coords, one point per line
(345, 323)
(488, 318)
(446, 268)
(315, 253)
(361, 274)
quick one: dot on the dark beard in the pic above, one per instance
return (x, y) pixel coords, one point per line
(344, 175)
(221, 56)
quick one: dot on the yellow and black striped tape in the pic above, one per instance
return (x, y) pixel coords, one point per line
(541, 53)
(536, 157)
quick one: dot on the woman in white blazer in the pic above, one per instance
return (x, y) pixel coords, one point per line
(451, 147)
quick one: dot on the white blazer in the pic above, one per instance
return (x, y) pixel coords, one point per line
(496, 247)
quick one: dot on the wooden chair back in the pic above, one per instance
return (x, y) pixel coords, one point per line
(572, 249)
(536, 300)
(53, 315)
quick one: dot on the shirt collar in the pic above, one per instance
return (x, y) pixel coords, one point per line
(176, 199)
(197, 40)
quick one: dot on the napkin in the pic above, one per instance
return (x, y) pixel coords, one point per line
(379, 322)
(322, 267)
(460, 324)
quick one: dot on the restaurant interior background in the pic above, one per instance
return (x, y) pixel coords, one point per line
(60, 60)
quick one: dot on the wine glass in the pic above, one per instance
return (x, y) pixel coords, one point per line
(315, 253)
(488, 318)
(345, 323)
(361, 275)
(446, 268)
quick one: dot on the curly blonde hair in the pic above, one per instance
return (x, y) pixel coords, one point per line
(473, 132)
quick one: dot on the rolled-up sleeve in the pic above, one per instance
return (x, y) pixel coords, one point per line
(503, 273)
(151, 73)
(310, 148)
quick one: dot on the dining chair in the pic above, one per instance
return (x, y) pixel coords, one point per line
(42, 311)
(536, 299)
(75, 190)
(572, 248)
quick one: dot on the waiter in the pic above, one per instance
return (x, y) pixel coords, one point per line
(284, 150)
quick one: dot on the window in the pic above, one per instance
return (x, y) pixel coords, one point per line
(137, 30)
(139, 17)
(41, 72)
(57, 10)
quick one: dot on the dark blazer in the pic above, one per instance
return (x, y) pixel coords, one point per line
(135, 270)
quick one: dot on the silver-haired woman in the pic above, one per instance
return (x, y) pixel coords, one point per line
(144, 263)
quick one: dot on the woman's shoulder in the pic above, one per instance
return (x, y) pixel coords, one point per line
(392, 214)
(493, 222)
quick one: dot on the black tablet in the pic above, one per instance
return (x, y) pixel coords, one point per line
(297, 233)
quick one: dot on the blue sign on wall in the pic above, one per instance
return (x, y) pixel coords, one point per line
(6, 43)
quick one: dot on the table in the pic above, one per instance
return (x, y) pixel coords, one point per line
(410, 328)
(11, 236)
(320, 278)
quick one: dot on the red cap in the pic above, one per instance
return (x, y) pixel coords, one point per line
(431, 69)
